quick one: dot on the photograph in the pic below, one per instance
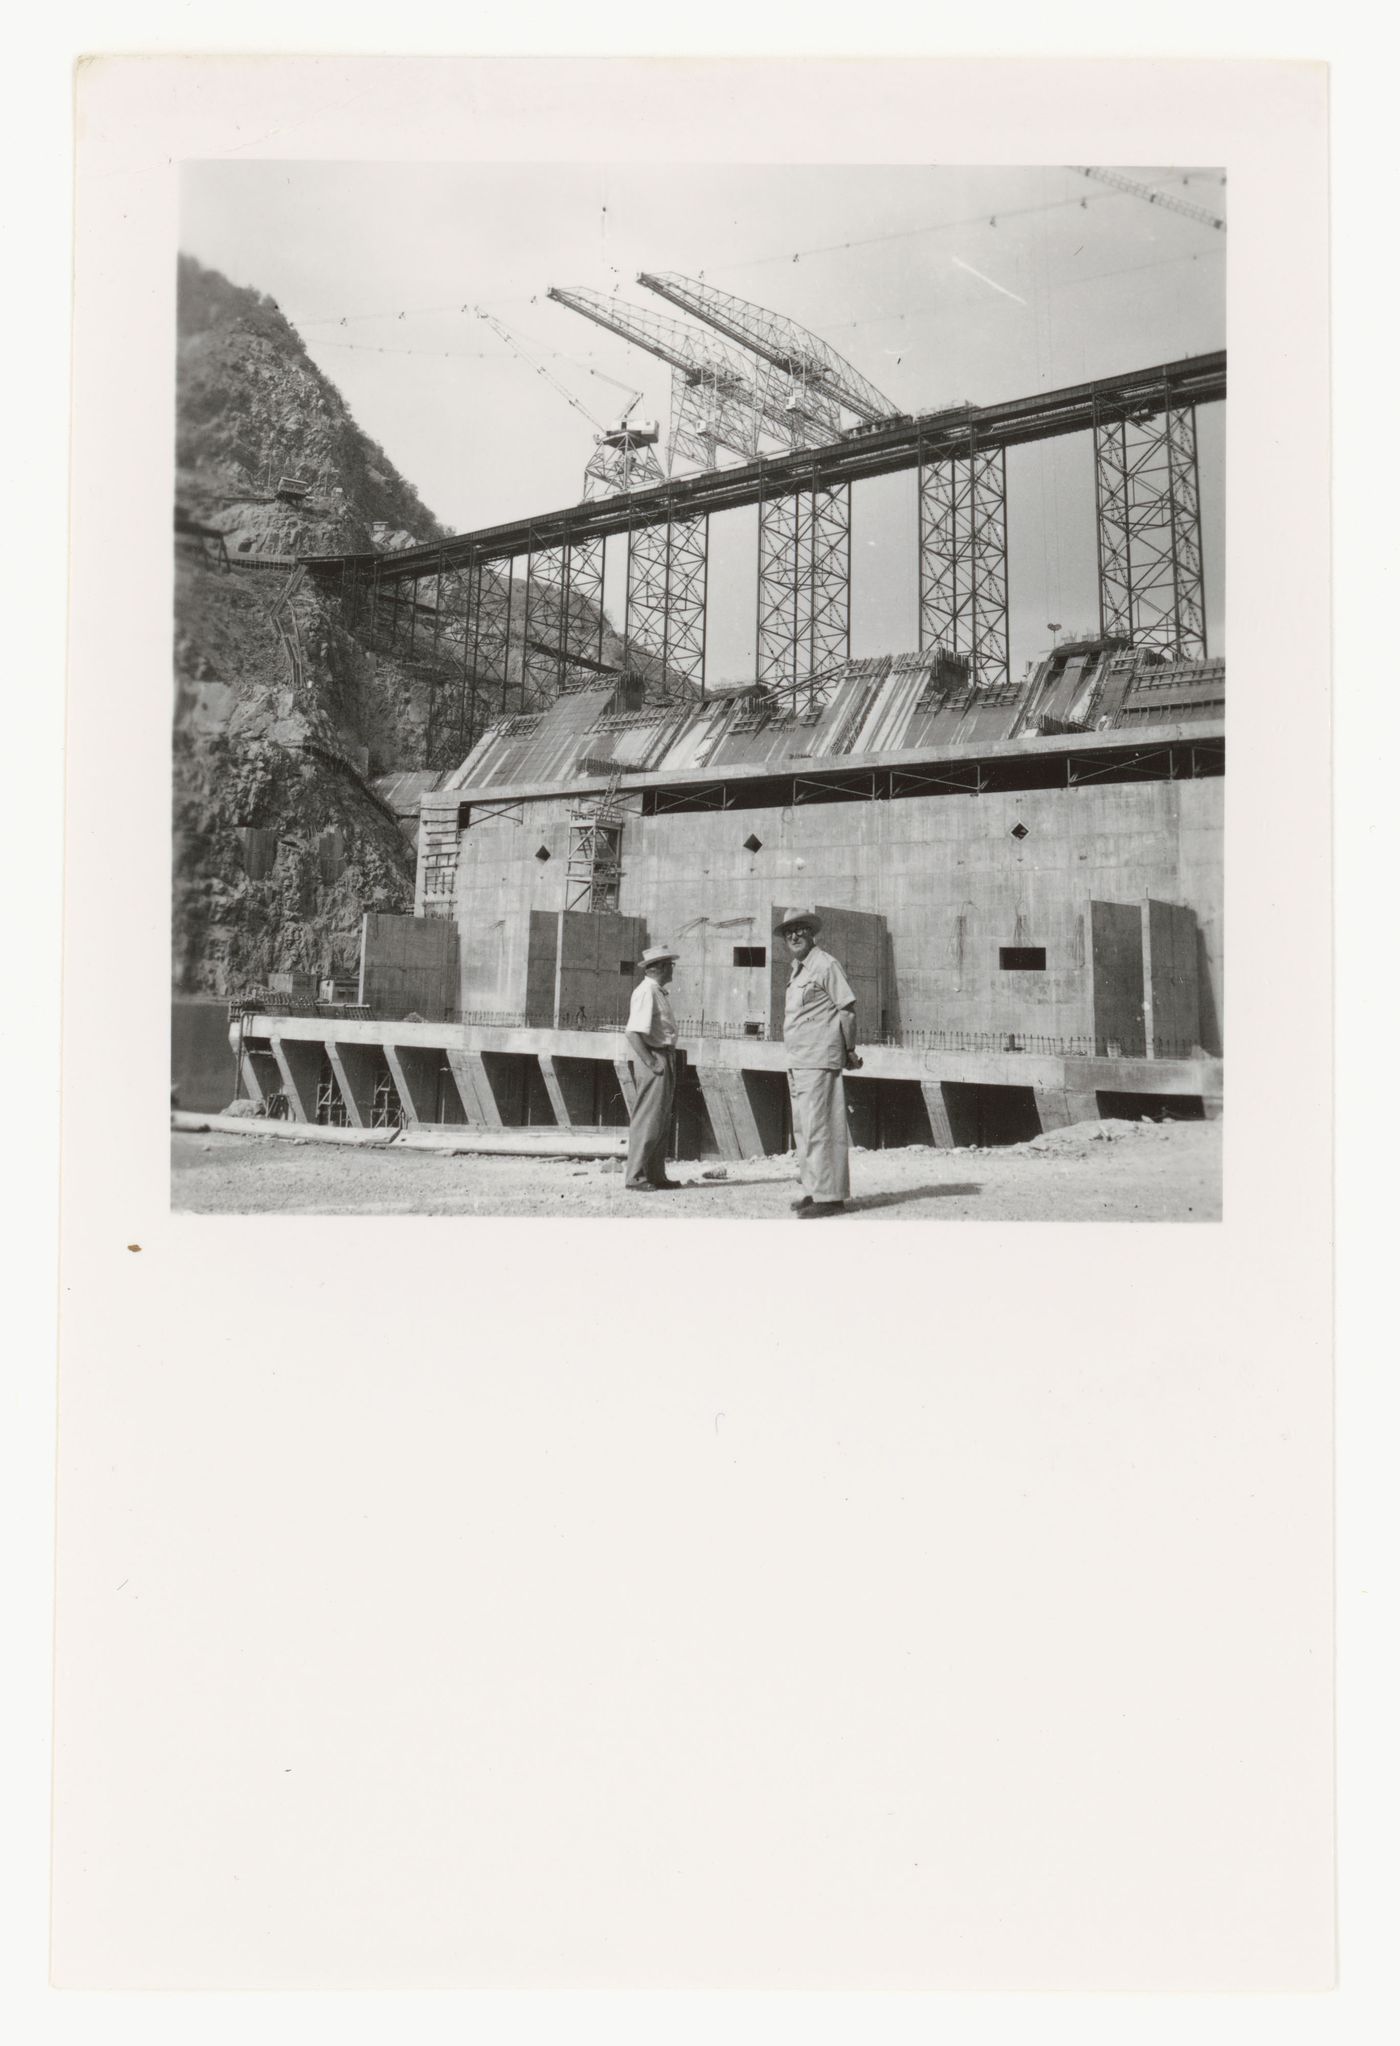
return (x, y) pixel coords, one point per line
(687, 683)
(703, 679)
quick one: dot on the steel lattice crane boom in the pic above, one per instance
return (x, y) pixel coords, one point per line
(720, 397)
(817, 372)
(624, 456)
(1163, 199)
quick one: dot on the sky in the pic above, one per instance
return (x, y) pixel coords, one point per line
(939, 284)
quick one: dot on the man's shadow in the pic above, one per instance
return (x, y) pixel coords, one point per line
(940, 1192)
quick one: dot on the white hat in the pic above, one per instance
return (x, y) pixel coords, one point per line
(800, 916)
(654, 955)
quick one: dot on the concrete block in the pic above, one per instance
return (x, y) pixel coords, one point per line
(414, 1072)
(478, 1099)
(354, 1068)
(937, 1107)
(299, 1062)
(731, 1113)
(555, 1091)
(252, 1088)
(1052, 1106)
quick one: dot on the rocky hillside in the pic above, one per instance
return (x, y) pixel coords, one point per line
(251, 408)
(286, 711)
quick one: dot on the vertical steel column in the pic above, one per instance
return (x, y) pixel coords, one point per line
(563, 614)
(667, 566)
(490, 629)
(804, 590)
(582, 618)
(1148, 500)
(962, 561)
(464, 589)
(449, 722)
(777, 631)
(824, 539)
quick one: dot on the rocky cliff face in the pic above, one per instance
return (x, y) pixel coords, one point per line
(252, 408)
(285, 709)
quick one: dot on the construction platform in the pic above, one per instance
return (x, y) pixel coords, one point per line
(732, 1101)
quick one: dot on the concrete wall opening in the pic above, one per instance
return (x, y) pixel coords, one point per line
(771, 1105)
(262, 1076)
(330, 1102)
(692, 1132)
(881, 1115)
(517, 1085)
(591, 1093)
(1022, 958)
(429, 1092)
(979, 1113)
(387, 1111)
(1154, 1107)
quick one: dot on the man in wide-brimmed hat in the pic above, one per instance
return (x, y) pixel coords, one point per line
(819, 1033)
(651, 1039)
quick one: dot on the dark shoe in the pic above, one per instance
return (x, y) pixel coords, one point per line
(664, 1185)
(820, 1208)
(805, 1202)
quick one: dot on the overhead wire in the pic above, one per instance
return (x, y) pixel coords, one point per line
(988, 216)
(1063, 284)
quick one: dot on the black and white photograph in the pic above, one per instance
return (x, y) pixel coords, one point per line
(687, 684)
(700, 680)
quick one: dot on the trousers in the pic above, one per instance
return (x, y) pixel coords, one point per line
(651, 1122)
(819, 1129)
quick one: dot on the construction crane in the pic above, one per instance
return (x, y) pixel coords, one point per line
(1163, 199)
(818, 375)
(624, 455)
(720, 397)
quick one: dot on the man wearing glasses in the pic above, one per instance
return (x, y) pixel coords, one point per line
(819, 1032)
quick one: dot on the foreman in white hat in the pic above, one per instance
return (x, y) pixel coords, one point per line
(652, 1038)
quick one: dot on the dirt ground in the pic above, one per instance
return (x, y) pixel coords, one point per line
(1091, 1172)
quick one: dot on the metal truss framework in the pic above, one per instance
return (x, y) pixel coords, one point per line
(962, 561)
(1193, 760)
(567, 582)
(595, 851)
(1147, 491)
(1151, 583)
(820, 379)
(622, 461)
(804, 591)
(722, 396)
(903, 444)
(666, 584)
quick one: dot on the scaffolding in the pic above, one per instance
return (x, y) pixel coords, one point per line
(804, 592)
(1147, 492)
(595, 851)
(563, 598)
(962, 561)
(665, 615)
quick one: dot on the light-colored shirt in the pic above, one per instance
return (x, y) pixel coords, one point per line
(651, 1016)
(817, 994)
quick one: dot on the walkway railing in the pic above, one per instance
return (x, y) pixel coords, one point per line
(1031, 1044)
